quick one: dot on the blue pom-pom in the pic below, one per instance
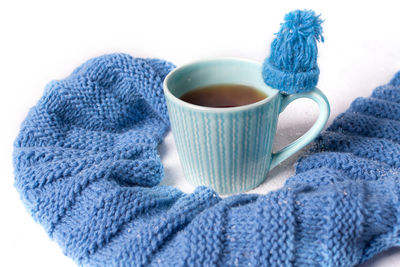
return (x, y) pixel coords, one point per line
(292, 64)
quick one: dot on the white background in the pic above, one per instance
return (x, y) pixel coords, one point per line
(45, 40)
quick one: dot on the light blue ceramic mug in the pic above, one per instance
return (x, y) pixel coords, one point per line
(230, 149)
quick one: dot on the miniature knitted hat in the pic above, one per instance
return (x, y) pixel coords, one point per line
(292, 64)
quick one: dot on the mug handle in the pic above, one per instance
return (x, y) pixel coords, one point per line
(324, 110)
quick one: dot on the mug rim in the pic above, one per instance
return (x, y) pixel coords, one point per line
(178, 101)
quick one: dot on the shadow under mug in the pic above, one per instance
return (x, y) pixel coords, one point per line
(230, 149)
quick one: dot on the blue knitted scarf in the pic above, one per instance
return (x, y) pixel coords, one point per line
(87, 169)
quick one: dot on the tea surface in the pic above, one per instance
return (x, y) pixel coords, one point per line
(223, 95)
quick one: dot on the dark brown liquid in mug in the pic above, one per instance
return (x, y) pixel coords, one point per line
(223, 96)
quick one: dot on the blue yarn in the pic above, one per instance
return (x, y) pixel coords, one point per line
(87, 169)
(292, 64)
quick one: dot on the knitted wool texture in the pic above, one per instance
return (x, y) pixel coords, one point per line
(292, 64)
(87, 169)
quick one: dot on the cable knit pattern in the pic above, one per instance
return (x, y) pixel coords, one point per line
(87, 169)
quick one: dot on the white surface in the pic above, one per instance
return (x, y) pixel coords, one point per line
(44, 40)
